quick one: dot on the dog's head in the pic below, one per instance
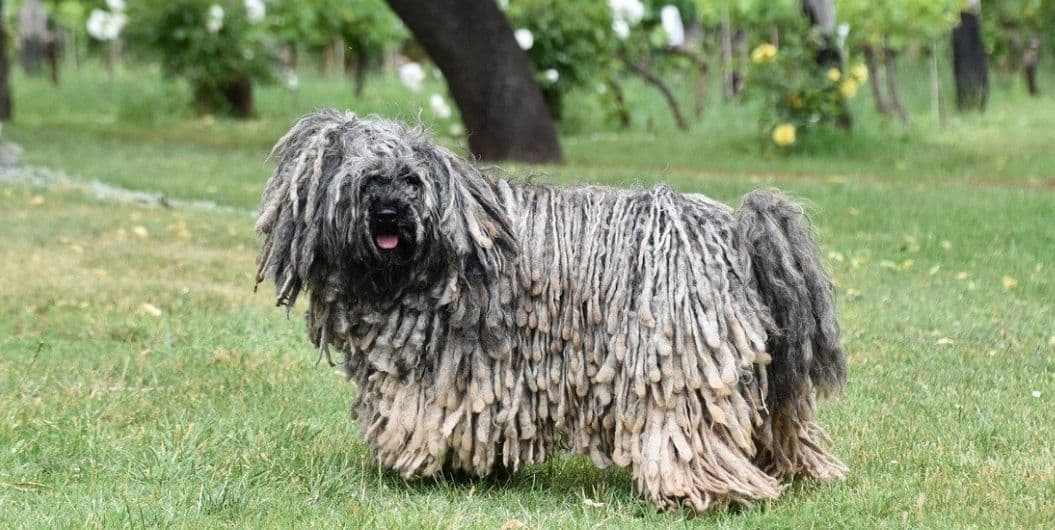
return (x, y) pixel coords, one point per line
(379, 209)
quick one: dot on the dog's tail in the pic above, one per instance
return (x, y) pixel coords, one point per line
(784, 265)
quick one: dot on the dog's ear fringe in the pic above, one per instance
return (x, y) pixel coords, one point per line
(283, 220)
(474, 218)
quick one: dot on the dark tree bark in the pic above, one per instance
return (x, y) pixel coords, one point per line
(6, 106)
(490, 77)
(969, 63)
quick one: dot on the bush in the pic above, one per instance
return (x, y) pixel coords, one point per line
(221, 47)
(797, 94)
(571, 43)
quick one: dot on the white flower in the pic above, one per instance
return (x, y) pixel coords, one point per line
(412, 76)
(214, 19)
(116, 5)
(255, 11)
(104, 25)
(841, 32)
(629, 11)
(439, 106)
(524, 38)
(670, 18)
(621, 29)
(291, 80)
(1035, 394)
(551, 75)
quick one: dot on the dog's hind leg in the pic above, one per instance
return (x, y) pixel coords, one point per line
(700, 468)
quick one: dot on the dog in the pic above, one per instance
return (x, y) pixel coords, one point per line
(488, 324)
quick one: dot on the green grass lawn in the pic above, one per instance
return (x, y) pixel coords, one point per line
(143, 383)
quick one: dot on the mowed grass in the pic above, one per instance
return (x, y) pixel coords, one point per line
(143, 383)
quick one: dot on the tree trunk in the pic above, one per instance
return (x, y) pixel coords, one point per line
(362, 63)
(875, 80)
(338, 55)
(732, 78)
(649, 76)
(52, 49)
(702, 68)
(233, 98)
(821, 14)
(489, 76)
(622, 111)
(1030, 58)
(239, 96)
(890, 69)
(969, 62)
(6, 107)
(32, 35)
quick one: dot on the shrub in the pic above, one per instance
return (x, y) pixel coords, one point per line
(797, 94)
(221, 47)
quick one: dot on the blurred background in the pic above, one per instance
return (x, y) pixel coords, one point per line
(138, 92)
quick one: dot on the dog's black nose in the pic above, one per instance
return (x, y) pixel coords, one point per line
(385, 214)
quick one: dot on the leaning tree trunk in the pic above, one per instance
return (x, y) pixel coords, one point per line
(968, 60)
(6, 107)
(490, 77)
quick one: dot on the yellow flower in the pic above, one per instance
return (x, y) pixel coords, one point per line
(784, 134)
(834, 75)
(764, 53)
(859, 72)
(848, 88)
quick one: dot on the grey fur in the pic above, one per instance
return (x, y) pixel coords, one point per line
(645, 328)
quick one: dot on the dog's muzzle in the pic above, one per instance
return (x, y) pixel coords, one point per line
(385, 227)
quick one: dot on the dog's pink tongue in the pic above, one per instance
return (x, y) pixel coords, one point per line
(387, 241)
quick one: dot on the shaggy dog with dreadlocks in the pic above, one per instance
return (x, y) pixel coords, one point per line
(489, 323)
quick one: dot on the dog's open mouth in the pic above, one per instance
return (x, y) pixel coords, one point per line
(386, 241)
